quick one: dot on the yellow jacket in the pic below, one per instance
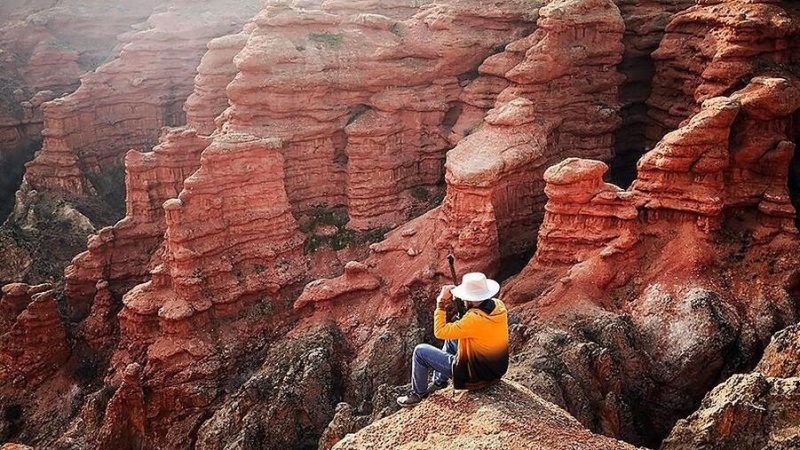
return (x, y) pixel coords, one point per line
(482, 334)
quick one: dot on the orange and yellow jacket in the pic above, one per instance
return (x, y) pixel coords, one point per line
(482, 334)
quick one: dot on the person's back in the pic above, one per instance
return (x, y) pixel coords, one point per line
(475, 351)
(482, 357)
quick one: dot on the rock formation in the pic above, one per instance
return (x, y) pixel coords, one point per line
(754, 410)
(124, 420)
(506, 415)
(217, 264)
(46, 48)
(215, 72)
(198, 320)
(122, 105)
(584, 213)
(710, 49)
(36, 344)
(666, 277)
(494, 175)
(122, 254)
(92, 129)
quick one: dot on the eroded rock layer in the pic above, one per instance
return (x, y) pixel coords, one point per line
(231, 241)
(92, 129)
(45, 47)
(35, 345)
(348, 118)
(122, 254)
(122, 105)
(711, 48)
(668, 284)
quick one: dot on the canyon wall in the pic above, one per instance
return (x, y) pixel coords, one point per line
(121, 105)
(45, 47)
(628, 269)
(710, 49)
(224, 310)
(645, 22)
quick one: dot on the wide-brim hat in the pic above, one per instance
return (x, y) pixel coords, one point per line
(475, 287)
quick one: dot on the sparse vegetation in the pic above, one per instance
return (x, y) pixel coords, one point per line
(110, 187)
(344, 237)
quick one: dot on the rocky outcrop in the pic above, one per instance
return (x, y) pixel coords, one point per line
(299, 378)
(584, 213)
(725, 166)
(746, 412)
(762, 152)
(710, 48)
(124, 421)
(781, 355)
(36, 344)
(354, 134)
(754, 410)
(674, 292)
(494, 175)
(684, 172)
(121, 255)
(509, 416)
(16, 297)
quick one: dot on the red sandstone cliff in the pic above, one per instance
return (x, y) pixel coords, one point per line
(122, 105)
(45, 47)
(710, 48)
(633, 306)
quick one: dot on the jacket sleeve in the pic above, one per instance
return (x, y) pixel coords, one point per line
(464, 328)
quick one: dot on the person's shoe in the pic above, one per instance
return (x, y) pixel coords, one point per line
(410, 399)
(436, 385)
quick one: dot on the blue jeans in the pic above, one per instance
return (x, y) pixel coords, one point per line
(427, 358)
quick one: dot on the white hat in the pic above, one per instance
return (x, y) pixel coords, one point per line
(475, 287)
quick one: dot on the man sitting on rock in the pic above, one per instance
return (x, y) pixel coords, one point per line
(475, 352)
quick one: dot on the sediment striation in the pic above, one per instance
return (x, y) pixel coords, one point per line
(35, 345)
(710, 48)
(120, 106)
(699, 211)
(238, 291)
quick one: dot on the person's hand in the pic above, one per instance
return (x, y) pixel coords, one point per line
(444, 296)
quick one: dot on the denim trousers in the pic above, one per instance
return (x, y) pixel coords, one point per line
(427, 358)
